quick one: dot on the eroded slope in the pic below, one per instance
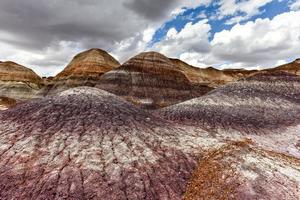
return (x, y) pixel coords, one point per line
(89, 144)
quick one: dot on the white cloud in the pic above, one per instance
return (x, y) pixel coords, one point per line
(193, 58)
(295, 5)
(241, 10)
(34, 29)
(192, 38)
(257, 44)
(263, 41)
(188, 4)
(47, 62)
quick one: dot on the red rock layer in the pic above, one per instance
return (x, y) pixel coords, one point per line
(150, 80)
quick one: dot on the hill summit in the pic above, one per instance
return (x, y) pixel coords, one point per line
(85, 69)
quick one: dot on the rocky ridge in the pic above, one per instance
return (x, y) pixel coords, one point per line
(210, 76)
(293, 67)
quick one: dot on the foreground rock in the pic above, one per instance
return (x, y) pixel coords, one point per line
(89, 144)
(18, 82)
(240, 170)
(150, 80)
(84, 70)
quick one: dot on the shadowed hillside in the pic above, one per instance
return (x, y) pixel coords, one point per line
(150, 80)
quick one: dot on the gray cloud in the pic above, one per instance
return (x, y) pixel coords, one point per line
(37, 25)
(152, 10)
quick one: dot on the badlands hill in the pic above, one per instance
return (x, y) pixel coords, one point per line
(264, 108)
(85, 69)
(86, 143)
(150, 80)
(264, 101)
(17, 81)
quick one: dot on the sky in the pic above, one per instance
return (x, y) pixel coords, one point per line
(252, 34)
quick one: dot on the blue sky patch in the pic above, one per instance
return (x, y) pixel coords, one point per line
(270, 10)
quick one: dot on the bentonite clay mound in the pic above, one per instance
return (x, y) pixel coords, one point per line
(265, 101)
(241, 171)
(88, 144)
(17, 81)
(150, 80)
(85, 69)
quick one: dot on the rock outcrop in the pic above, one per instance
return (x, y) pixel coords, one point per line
(18, 82)
(150, 80)
(6, 103)
(84, 70)
(239, 170)
(210, 76)
(88, 144)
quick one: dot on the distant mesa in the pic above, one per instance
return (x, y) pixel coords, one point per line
(210, 76)
(260, 103)
(150, 80)
(85, 69)
(18, 82)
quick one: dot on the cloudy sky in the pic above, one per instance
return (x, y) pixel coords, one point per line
(45, 34)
